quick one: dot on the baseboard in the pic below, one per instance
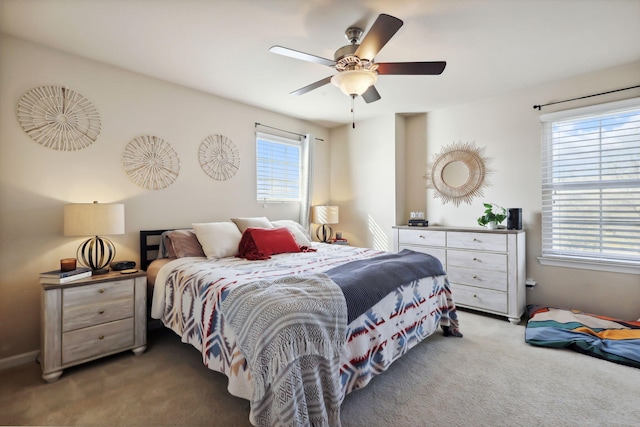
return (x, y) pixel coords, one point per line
(19, 359)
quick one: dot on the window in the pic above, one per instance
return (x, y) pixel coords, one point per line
(278, 169)
(591, 187)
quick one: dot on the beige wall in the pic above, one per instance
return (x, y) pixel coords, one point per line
(413, 166)
(363, 181)
(509, 129)
(36, 181)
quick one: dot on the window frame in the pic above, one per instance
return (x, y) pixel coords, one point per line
(557, 257)
(278, 141)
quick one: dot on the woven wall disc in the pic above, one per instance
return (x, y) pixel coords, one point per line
(151, 162)
(219, 157)
(58, 118)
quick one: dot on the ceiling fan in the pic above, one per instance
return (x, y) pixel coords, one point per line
(357, 72)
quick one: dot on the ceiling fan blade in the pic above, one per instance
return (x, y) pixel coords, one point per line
(379, 34)
(371, 95)
(412, 68)
(285, 51)
(312, 86)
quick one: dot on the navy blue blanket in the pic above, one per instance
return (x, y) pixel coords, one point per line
(365, 282)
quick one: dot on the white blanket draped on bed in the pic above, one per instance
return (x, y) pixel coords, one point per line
(292, 331)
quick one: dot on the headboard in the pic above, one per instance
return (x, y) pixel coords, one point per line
(149, 246)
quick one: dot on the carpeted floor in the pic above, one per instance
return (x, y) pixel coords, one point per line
(488, 378)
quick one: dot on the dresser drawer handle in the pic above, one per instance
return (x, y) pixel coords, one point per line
(475, 259)
(101, 337)
(101, 291)
(475, 240)
(422, 237)
(475, 296)
(474, 276)
(101, 312)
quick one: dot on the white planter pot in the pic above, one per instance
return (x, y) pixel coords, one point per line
(492, 225)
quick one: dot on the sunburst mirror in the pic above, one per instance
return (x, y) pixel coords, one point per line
(458, 173)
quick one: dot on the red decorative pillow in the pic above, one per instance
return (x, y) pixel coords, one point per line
(261, 243)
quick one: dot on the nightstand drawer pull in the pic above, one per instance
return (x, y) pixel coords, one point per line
(101, 312)
(101, 291)
(101, 337)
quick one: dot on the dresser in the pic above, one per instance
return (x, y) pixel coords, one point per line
(91, 318)
(486, 268)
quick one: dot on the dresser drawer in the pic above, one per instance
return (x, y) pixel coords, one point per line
(422, 237)
(477, 260)
(482, 299)
(81, 316)
(439, 253)
(97, 340)
(478, 241)
(495, 280)
(100, 292)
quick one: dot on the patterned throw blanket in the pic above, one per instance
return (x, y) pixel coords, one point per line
(292, 332)
(367, 281)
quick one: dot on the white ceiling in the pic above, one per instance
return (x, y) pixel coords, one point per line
(221, 46)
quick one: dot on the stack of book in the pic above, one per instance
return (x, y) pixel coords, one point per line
(339, 241)
(59, 276)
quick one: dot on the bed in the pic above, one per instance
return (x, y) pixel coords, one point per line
(276, 322)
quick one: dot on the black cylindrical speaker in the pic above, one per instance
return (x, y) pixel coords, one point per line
(514, 219)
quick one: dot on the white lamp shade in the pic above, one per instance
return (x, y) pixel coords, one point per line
(354, 82)
(325, 214)
(93, 219)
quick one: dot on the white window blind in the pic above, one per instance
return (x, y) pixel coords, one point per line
(278, 168)
(591, 184)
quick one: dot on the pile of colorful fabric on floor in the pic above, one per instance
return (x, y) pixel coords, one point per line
(599, 336)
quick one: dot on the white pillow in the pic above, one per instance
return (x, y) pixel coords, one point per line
(299, 233)
(256, 222)
(218, 239)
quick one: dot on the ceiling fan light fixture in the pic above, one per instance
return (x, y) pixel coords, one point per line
(354, 82)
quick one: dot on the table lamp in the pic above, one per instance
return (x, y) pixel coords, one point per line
(325, 215)
(94, 219)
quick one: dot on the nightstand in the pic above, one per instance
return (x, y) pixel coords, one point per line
(91, 318)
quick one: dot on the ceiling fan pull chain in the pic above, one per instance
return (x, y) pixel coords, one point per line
(353, 114)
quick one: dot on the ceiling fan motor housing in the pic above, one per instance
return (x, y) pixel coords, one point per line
(344, 51)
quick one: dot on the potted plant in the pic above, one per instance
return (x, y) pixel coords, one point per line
(493, 215)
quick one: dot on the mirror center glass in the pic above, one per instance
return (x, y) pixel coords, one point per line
(455, 174)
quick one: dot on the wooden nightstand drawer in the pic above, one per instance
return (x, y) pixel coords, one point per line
(479, 241)
(98, 292)
(483, 299)
(422, 237)
(477, 260)
(97, 340)
(495, 280)
(82, 316)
